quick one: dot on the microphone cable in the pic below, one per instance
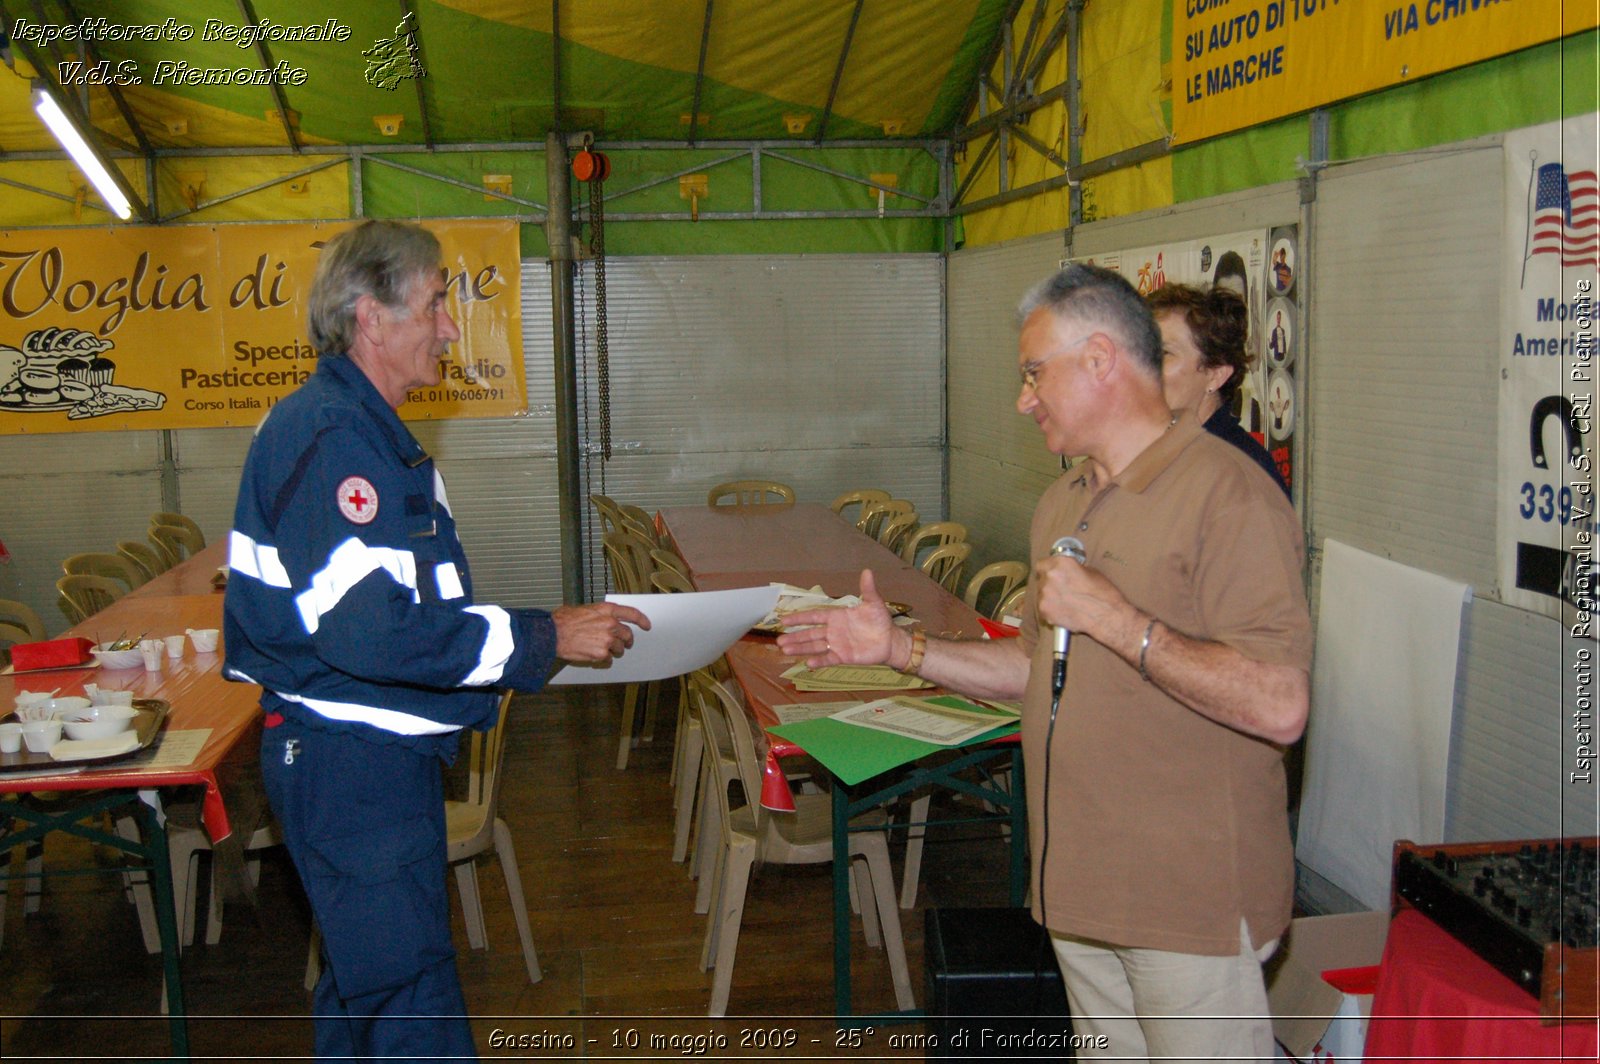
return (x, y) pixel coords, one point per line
(1071, 547)
(1044, 854)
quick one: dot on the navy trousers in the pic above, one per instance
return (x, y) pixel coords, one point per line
(364, 823)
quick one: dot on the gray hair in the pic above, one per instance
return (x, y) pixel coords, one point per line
(1104, 298)
(377, 258)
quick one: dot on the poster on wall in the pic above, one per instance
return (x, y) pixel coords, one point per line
(204, 326)
(1259, 265)
(1552, 268)
(1239, 63)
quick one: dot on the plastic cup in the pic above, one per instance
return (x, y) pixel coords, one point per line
(10, 738)
(174, 646)
(107, 697)
(150, 650)
(41, 735)
(204, 640)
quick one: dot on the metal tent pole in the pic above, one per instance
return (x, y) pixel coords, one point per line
(558, 229)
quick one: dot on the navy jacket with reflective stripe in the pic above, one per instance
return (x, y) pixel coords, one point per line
(361, 618)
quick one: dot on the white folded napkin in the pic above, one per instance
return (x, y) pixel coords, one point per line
(82, 749)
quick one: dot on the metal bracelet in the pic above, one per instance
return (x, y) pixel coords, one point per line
(1144, 648)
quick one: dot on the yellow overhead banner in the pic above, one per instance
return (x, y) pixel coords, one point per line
(1238, 63)
(205, 326)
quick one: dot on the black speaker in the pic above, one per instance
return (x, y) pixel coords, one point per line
(994, 989)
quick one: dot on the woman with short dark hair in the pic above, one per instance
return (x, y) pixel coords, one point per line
(1204, 359)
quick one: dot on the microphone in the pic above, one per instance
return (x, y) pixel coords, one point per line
(1071, 547)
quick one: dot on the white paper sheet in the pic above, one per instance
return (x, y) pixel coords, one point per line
(914, 718)
(688, 631)
(1378, 741)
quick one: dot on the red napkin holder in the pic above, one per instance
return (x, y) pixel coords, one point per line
(51, 654)
(997, 630)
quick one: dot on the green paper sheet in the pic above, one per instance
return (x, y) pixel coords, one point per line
(854, 753)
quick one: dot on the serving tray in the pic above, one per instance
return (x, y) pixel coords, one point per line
(147, 725)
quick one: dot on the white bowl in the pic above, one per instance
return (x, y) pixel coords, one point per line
(117, 659)
(99, 722)
(66, 705)
(41, 735)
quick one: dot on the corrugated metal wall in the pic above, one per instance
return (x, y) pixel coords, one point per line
(65, 493)
(824, 372)
(998, 462)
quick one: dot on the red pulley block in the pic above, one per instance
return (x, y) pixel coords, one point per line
(591, 166)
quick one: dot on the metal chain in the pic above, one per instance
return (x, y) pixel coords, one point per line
(597, 247)
(589, 524)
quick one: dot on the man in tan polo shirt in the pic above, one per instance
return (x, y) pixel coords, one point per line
(1156, 796)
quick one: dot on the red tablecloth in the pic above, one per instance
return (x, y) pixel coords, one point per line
(1437, 1000)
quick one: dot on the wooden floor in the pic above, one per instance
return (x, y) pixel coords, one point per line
(613, 921)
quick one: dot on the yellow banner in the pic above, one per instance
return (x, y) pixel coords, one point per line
(205, 326)
(1238, 63)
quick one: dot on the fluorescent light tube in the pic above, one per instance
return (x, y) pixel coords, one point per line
(67, 133)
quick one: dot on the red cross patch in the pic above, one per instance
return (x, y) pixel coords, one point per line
(358, 500)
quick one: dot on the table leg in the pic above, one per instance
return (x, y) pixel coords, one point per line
(156, 853)
(1019, 830)
(841, 900)
(77, 818)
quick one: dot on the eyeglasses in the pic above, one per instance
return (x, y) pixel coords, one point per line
(1030, 372)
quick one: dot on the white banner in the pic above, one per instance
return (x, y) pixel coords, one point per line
(1545, 525)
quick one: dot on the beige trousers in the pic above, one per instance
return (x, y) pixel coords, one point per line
(1152, 1005)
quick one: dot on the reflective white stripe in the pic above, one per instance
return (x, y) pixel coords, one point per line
(390, 720)
(256, 560)
(350, 563)
(438, 492)
(448, 579)
(497, 647)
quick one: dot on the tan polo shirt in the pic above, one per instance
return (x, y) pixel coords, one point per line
(1165, 827)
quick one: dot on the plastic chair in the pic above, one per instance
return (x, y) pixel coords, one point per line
(144, 556)
(718, 770)
(474, 827)
(1011, 605)
(186, 841)
(177, 520)
(874, 514)
(639, 521)
(857, 499)
(750, 493)
(751, 834)
(1008, 575)
(98, 563)
(936, 534)
(944, 564)
(629, 559)
(175, 542)
(897, 529)
(688, 742)
(83, 595)
(631, 566)
(606, 507)
(19, 624)
(667, 558)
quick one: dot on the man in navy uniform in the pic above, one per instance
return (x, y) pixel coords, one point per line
(350, 603)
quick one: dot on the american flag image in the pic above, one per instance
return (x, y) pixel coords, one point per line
(1566, 216)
